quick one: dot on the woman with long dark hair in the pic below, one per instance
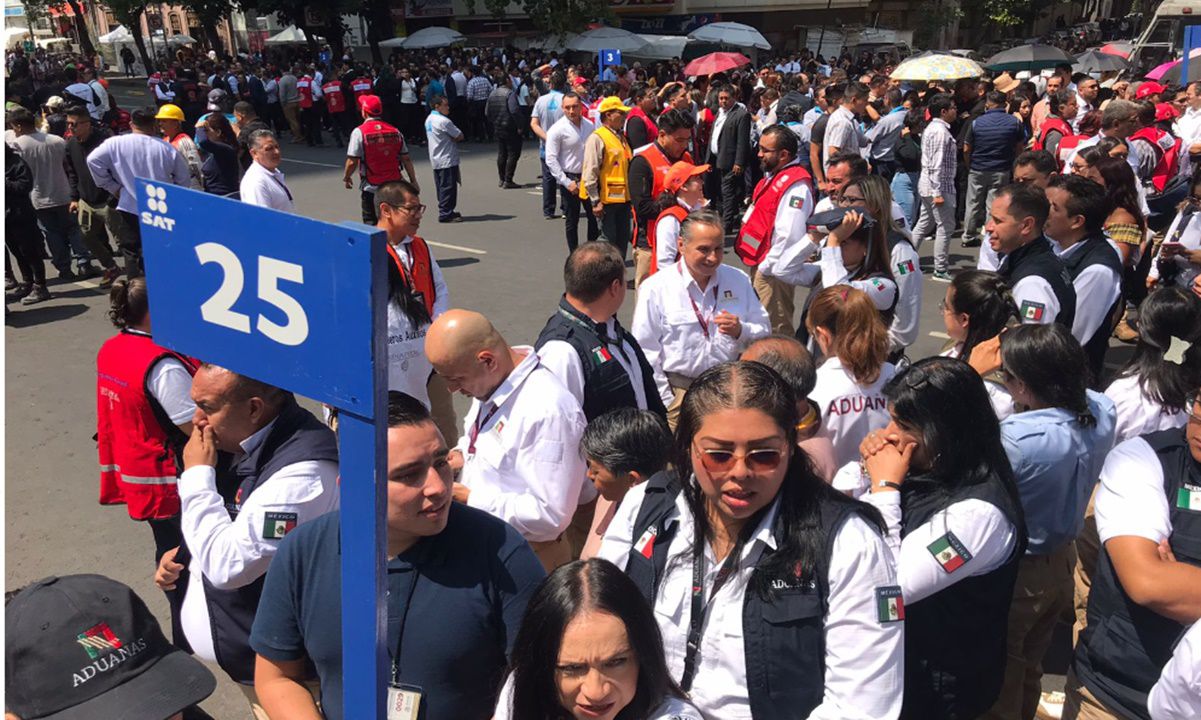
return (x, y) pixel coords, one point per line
(978, 305)
(956, 529)
(589, 649)
(775, 594)
(904, 262)
(1126, 225)
(1056, 446)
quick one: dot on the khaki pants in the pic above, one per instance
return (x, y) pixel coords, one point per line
(1080, 704)
(313, 686)
(552, 553)
(442, 407)
(679, 386)
(581, 524)
(642, 265)
(1088, 548)
(292, 115)
(98, 223)
(1042, 593)
(778, 298)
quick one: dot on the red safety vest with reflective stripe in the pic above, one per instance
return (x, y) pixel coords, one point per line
(1049, 125)
(421, 279)
(360, 86)
(755, 239)
(676, 211)
(660, 164)
(304, 86)
(382, 148)
(1067, 145)
(137, 461)
(1167, 149)
(335, 101)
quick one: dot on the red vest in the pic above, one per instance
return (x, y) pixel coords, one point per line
(304, 86)
(382, 148)
(360, 86)
(676, 211)
(659, 167)
(1051, 123)
(137, 462)
(1167, 149)
(421, 280)
(1067, 145)
(334, 100)
(755, 239)
(652, 130)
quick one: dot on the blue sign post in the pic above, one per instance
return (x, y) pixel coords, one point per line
(1192, 40)
(299, 304)
(608, 58)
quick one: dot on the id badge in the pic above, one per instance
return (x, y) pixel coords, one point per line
(404, 702)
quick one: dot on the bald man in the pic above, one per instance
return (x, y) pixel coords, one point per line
(518, 457)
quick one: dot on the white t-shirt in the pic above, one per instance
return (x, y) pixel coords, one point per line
(171, 385)
(1177, 695)
(1138, 414)
(849, 410)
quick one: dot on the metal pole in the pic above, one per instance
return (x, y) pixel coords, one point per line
(1192, 39)
(822, 37)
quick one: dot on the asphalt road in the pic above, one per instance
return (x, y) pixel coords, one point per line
(504, 260)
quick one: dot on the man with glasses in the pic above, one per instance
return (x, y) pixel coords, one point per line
(1147, 588)
(647, 173)
(1087, 89)
(94, 207)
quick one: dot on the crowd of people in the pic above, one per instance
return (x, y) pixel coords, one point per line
(736, 507)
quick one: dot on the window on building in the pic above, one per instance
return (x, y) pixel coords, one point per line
(111, 20)
(176, 25)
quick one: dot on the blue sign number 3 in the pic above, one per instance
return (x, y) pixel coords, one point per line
(218, 309)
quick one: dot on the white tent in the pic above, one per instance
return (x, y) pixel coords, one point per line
(181, 39)
(660, 47)
(432, 37)
(117, 36)
(16, 35)
(606, 38)
(731, 33)
(290, 35)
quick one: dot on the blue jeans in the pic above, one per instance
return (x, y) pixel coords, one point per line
(446, 181)
(63, 237)
(904, 189)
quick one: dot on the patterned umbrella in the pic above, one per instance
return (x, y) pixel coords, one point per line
(1028, 57)
(1095, 61)
(937, 67)
(714, 63)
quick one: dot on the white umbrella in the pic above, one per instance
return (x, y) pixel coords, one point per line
(606, 38)
(181, 39)
(731, 33)
(661, 47)
(432, 37)
(555, 42)
(290, 35)
(117, 35)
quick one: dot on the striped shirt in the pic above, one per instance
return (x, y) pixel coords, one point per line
(938, 161)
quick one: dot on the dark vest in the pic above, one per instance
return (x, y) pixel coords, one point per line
(297, 436)
(607, 386)
(1125, 646)
(784, 634)
(955, 639)
(1037, 258)
(1096, 251)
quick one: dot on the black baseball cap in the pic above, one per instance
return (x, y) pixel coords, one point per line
(831, 219)
(83, 647)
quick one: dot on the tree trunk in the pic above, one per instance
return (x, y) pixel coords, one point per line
(213, 37)
(335, 37)
(309, 37)
(138, 40)
(81, 28)
(370, 15)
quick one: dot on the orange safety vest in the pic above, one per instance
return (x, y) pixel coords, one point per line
(659, 166)
(421, 279)
(676, 211)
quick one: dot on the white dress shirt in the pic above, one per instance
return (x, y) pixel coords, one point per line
(907, 273)
(1136, 414)
(864, 657)
(527, 469)
(1097, 289)
(1190, 239)
(234, 553)
(715, 134)
(266, 188)
(408, 368)
(565, 148)
(561, 359)
(675, 339)
(1177, 694)
(849, 410)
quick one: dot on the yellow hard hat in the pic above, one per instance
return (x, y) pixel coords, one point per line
(169, 112)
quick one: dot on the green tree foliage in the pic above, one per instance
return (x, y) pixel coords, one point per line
(552, 16)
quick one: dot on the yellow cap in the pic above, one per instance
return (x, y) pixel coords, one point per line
(611, 103)
(169, 112)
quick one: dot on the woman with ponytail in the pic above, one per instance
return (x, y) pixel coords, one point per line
(144, 415)
(853, 339)
(1056, 445)
(978, 306)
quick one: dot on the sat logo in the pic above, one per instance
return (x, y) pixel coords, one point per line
(156, 203)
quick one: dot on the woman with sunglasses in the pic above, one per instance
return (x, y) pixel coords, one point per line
(955, 526)
(978, 305)
(589, 649)
(1056, 446)
(776, 596)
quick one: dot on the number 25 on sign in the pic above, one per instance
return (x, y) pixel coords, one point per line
(218, 308)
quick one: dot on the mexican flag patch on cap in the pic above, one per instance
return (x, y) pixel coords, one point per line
(278, 524)
(1188, 497)
(949, 552)
(889, 605)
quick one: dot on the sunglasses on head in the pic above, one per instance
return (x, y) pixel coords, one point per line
(722, 461)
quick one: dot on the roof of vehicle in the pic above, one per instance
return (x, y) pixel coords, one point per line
(1178, 7)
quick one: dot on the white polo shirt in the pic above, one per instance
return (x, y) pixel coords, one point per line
(266, 188)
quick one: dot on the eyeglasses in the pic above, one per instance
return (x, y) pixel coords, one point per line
(720, 462)
(412, 209)
(845, 199)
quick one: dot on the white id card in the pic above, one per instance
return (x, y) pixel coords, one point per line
(403, 702)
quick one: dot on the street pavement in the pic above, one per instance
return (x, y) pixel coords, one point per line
(504, 260)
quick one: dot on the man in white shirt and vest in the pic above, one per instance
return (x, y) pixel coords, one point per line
(605, 173)
(777, 217)
(378, 151)
(519, 456)
(284, 473)
(697, 313)
(263, 184)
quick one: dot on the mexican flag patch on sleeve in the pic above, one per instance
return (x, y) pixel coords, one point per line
(1188, 497)
(796, 203)
(890, 607)
(278, 524)
(905, 268)
(1032, 311)
(949, 552)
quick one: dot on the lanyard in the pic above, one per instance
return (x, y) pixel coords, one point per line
(284, 187)
(479, 424)
(404, 616)
(700, 609)
(602, 333)
(700, 318)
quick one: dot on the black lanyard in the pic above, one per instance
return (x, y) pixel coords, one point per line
(479, 425)
(404, 616)
(282, 186)
(700, 608)
(602, 332)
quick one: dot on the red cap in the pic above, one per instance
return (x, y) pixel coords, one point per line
(580, 80)
(679, 173)
(1148, 88)
(371, 104)
(1165, 111)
